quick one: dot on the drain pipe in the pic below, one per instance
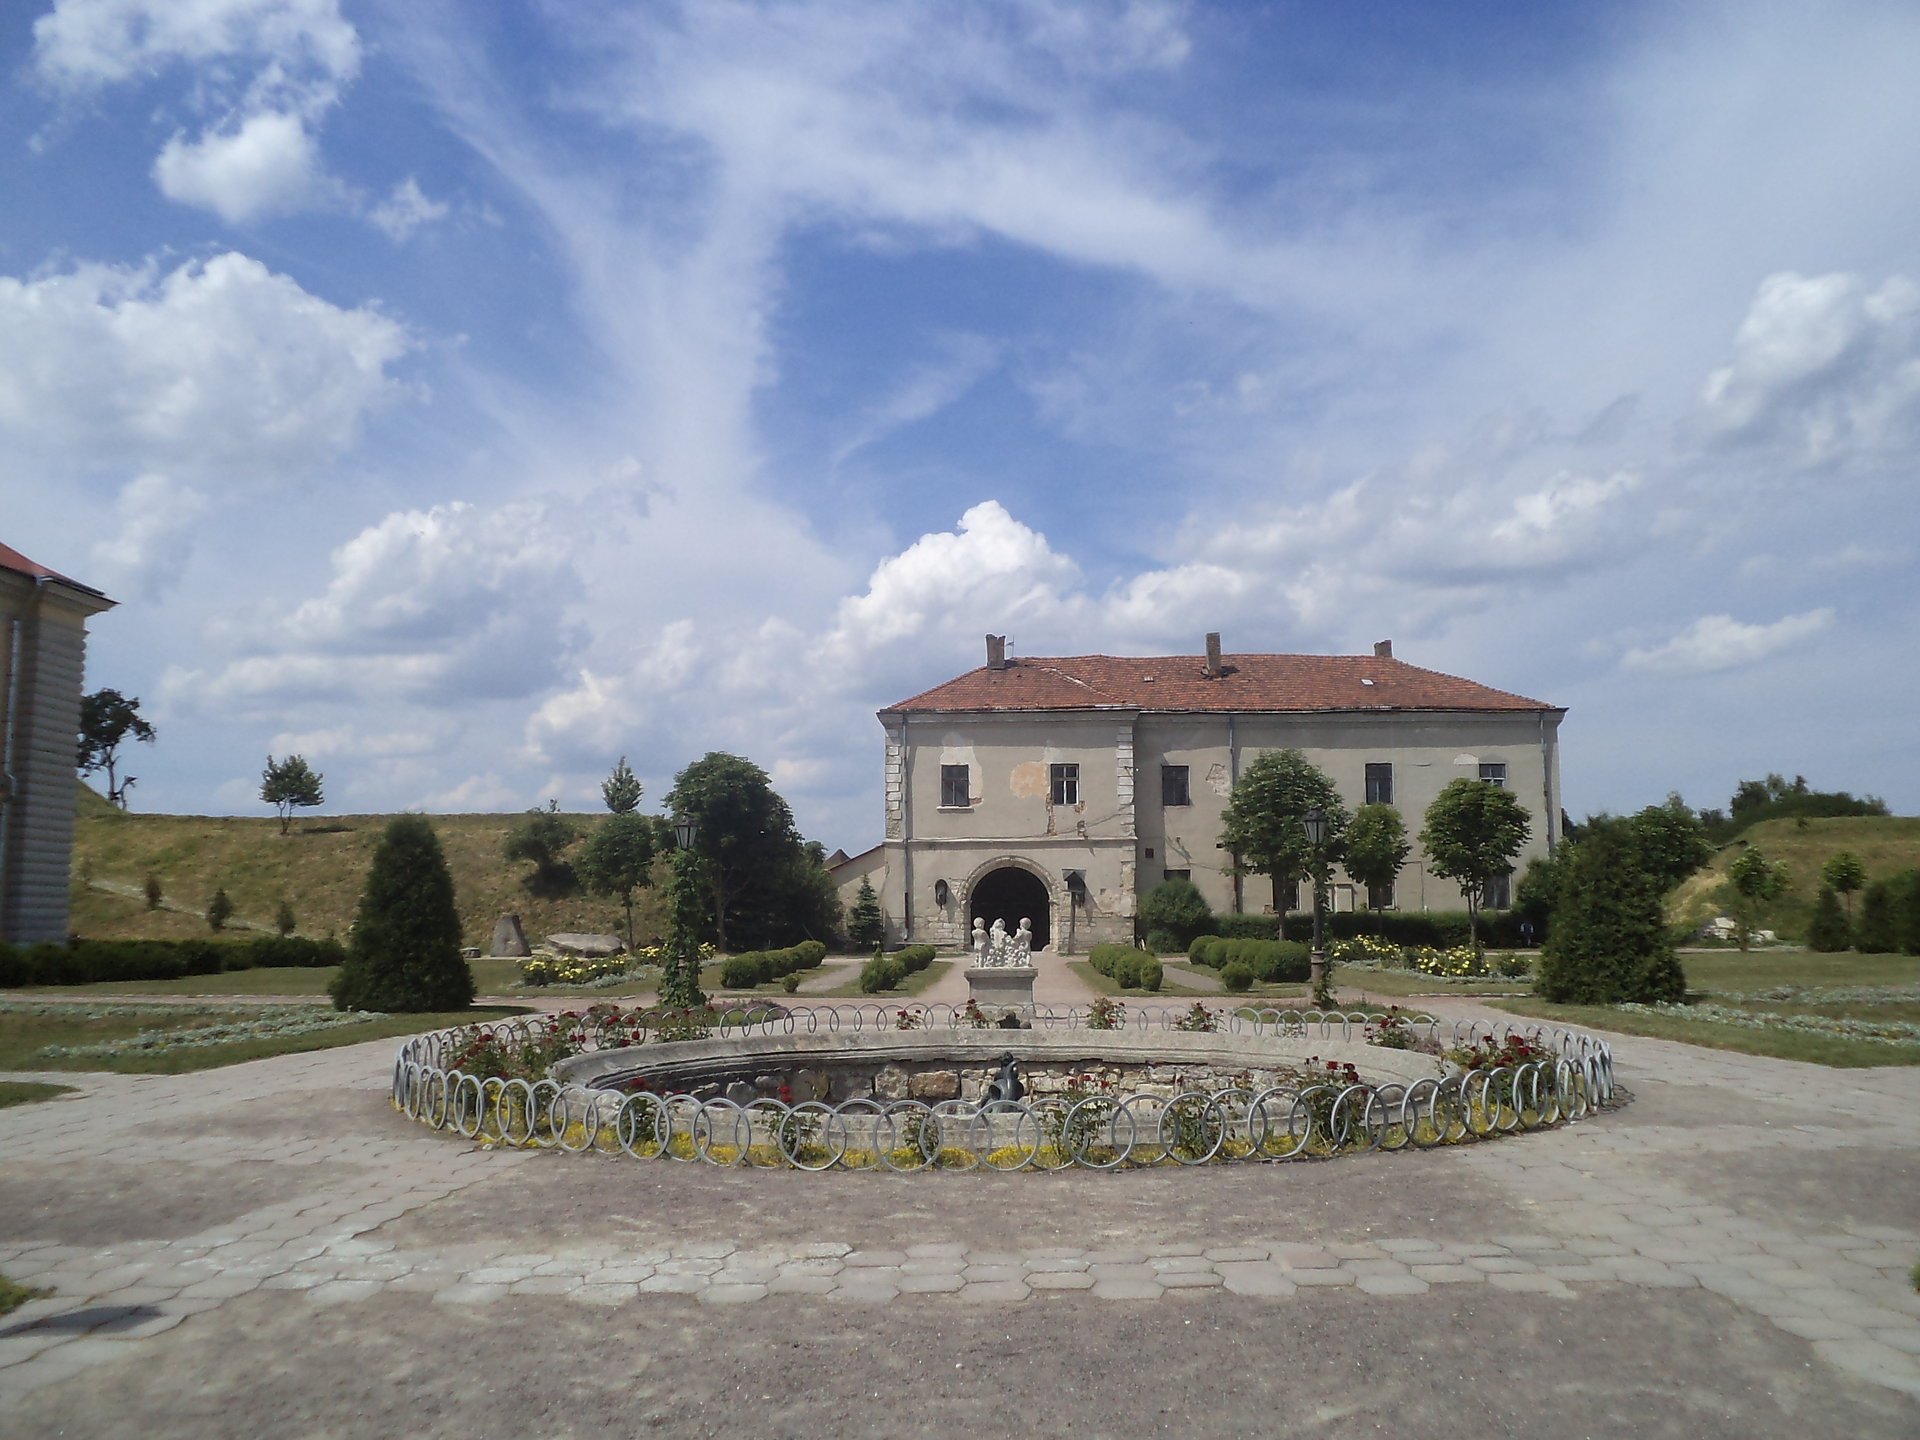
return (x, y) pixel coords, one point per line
(8, 704)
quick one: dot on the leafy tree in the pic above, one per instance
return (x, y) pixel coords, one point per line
(1539, 890)
(1377, 846)
(1828, 931)
(287, 783)
(1756, 881)
(686, 914)
(1844, 873)
(745, 831)
(1777, 798)
(405, 952)
(866, 924)
(1907, 911)
(618, 860)
(1609, 939)
(107, 720)
(789, 900)
(1671, 840)
(1878, 932)
(542, 839)
(1473, 833)
(154, 893)
(620, 790)
(1177, 907)
(1263, 830)
(219, 910)
(283, 921)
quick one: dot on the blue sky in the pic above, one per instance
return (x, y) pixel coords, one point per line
(465, 395)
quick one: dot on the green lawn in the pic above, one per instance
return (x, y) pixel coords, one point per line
(839, 971)
(13, 1296)
(25, 1092)
(24, 1036)
(913, 985)
(1727, 977)
(490, 977)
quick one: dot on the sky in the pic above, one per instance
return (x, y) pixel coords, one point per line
(466, 395)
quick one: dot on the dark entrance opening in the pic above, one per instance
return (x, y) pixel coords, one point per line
(1011, 895)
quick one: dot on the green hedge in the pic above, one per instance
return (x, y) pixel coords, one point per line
(1270, 960)
(1441, 929)
(756, 967)
(1127, 967)
(97, 962)
(888, 972)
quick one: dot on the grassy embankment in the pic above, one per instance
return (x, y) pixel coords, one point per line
(1887, 845)
(318, 869)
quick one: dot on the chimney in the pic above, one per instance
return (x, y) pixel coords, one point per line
(1383, 649)
(1213, 652)
(996, 652)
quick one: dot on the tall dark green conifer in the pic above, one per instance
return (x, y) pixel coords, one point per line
(1828, 931)
(1608, 939)
(405, 954)
(1878, 932)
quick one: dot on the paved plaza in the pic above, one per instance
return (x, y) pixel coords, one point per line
(269, 1250)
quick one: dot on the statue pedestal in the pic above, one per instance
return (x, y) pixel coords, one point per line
(999, 988)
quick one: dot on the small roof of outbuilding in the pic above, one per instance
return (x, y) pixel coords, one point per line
(1260, 684)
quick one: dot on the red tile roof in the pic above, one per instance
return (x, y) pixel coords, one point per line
(1254, 683)
(12, 559)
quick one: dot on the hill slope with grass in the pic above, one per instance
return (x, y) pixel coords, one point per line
(1886, 844)
(318, 869)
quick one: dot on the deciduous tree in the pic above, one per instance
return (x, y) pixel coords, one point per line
(618, 859)
(1671, 841)
(1377, 847)
(1756, 881)
(1473, 834)
(287, 783)
(108, 720)
(745, 831)
(1844, 873)
(1263, 830)
(542, 838)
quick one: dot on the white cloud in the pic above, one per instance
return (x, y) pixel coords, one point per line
(267, 72)
(147, 548)
(96, 42)
(406, 210)
(219, 366)
(441, 606)
(268, 165)
(925, 391)
(1719, 642)
(1825, 363)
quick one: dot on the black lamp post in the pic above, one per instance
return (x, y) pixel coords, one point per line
(1314, 822)
(680, 982)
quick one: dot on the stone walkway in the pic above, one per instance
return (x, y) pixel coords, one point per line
(270, 1249)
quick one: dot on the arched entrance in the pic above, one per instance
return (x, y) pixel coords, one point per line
(1011, 895)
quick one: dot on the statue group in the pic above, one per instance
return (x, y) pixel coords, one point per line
(996, 949)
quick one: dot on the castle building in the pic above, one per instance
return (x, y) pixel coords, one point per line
(1062, 789)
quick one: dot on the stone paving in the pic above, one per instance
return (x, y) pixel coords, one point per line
(164, 1209)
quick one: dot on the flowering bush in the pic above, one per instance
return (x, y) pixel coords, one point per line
(1199, 1020)
(1106, 1014)
(547, 968)
(1390, 1031)
(975, 1016)
(1366, 950)
(1457, 962)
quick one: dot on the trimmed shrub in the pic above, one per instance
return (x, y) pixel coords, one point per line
(914, 958)
(882, 972)
(405, 955)
(1177, 908)
(1828, 931)
(1246, 927)
(1196, 945)
(1609, 940)
(1152, 973)
(1165, 942)
(1878, 933)
(791, 984)
(219, 910)
(756, 967)
(1237, 977)
(93, 962)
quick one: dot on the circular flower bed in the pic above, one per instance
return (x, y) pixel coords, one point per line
(885, 1088)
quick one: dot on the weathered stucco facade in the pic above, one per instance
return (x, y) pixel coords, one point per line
(1062, 790)
(43, 645)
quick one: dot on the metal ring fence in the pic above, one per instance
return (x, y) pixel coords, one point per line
(1095, 1131)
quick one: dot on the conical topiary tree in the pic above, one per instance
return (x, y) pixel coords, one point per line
(866, 923)
(1828, 931)
(1607, 941)
(1878, 932)
(405, 954)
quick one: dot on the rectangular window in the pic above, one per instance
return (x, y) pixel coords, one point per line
(1291, 895)
(1173, 785)
(1380, 897)
(1499, 893)
(955, 787)
(1494, 772)
(1180, 875)
(1066, 784)
(1379, 783)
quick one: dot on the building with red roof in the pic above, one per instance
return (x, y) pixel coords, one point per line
(1059, 789)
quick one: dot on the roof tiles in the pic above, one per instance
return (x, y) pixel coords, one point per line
(1252, 683)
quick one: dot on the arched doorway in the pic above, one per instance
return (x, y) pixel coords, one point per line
(1011, 895)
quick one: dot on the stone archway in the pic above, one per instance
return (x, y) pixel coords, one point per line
(1012, 893)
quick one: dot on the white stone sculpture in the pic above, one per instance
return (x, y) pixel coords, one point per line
(1023, 943)
(979, 941)
(995, 949)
